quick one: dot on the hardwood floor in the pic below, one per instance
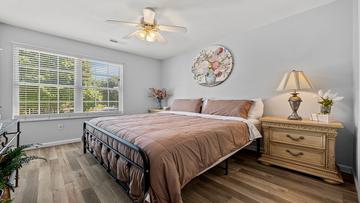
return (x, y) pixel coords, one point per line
(70, 176)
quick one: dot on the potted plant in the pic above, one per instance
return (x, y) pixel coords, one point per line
(159, 95)
(327, 100)
(13, 159)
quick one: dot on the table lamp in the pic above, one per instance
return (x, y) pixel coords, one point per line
(294, 81)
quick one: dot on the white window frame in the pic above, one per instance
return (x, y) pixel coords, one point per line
(78, 103)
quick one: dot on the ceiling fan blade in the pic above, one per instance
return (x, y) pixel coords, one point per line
(123, 22)
(160, 38)
(172, 28)
(131, 35)
(149, 15)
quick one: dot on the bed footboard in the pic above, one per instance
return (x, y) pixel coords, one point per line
(144, 167)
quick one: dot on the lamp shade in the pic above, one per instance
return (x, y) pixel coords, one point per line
(294, 80)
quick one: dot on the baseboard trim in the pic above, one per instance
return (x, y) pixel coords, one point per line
(356, 185)
(345, 168)
(55, 143)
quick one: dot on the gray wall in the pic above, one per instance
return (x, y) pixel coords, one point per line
(318, 42)
(140, 73)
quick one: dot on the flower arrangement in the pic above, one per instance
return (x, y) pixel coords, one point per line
(159, 95)
(327, 99)
(212, 66)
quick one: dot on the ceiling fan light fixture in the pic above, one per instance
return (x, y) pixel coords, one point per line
(146, 35)
(141, 34)
(148, 28)
(151, 36)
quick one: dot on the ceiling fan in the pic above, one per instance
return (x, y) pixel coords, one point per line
(148, 29)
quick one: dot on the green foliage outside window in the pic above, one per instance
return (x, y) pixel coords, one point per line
(51, 81)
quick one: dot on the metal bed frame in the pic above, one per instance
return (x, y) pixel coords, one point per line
(144, 168)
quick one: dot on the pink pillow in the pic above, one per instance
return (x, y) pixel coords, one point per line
(236, 108)
(188, 105)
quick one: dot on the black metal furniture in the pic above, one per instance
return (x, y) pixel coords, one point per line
(144, 167)
(9, 139)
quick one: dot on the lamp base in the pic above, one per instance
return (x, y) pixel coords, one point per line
(294, 102)
(294, 116)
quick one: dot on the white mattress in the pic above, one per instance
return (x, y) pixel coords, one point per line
(255, 121)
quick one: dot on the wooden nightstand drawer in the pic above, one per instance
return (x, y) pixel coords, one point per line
(299, 138)
(299, 154)
(302, 145)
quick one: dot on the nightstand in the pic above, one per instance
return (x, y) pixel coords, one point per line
(302, 145)
(155, 110)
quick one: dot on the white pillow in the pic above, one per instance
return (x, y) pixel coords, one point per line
(257, 109)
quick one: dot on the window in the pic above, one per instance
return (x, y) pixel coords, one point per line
(100, 82)
(48, 84)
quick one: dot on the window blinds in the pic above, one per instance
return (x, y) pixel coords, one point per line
(53, 84)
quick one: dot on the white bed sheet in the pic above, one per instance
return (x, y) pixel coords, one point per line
(255, 121)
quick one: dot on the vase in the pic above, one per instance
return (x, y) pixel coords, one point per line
(5, 194)
(325, 109)
(159, 103)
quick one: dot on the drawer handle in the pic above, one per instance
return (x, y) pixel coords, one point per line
(294, 154)
(295, 138)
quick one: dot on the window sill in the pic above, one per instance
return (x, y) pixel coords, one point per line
(35, 118)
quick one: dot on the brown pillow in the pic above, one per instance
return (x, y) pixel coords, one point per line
(188, 105)
(236, 108)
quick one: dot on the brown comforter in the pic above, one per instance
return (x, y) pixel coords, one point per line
(179, 147)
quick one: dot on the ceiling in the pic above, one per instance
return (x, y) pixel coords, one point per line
(206, 20)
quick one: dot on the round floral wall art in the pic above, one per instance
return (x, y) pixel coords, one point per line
(212, 66)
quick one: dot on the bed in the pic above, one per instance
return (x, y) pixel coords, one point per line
(153, 156)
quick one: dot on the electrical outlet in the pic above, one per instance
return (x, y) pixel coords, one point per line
(61, 126)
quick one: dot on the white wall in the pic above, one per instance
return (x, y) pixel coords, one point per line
(318, 42)
(356, 58)
(140, 73)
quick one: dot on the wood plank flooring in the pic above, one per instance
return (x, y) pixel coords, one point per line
(70, 176)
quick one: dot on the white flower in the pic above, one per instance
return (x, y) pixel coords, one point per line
(336, 99)
(319, 96)
(326, 94)
(320, 93)
(332, 96)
